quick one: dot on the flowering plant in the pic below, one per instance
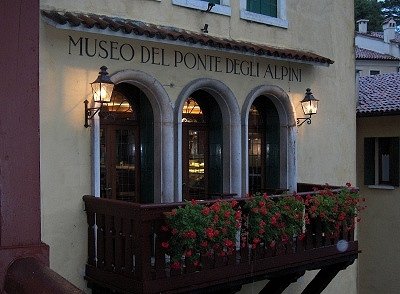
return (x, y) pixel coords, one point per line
(196, 229)
(334, 208)
(272, 221)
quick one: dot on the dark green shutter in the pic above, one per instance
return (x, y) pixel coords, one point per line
(253, 6)
(147, 151)
(265, 7)
(369, 161)
(215, 148)
(272, 141)
(394, 161)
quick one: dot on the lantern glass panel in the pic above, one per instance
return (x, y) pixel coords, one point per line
(310, 107)
(102, 92)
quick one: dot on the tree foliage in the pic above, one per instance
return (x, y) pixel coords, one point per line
(391, 8)
(376, 12)
(371, 10)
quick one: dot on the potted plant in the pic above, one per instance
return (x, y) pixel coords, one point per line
(274, 220)
(196, 230)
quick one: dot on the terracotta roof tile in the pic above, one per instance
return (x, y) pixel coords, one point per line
(365, 54)
(379, 95)
(379, 35)
(75, 20)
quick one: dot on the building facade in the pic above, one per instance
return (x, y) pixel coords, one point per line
(378, 178)
(377, 52)
(205, 102)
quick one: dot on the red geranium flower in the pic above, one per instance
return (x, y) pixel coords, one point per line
(238, 214)
(210, 233)
(176, 265)
(206, 211)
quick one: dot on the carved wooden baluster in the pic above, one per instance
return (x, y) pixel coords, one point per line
(231, 258)
(109, 243)
(270, 249)
(309, 237)
(160, 236)
(351, 231)
(119, 244)
(244, 245)
(318, 233)
(143, 231)
(300, 243)
(207, 261)
(100, 240)
(128, 255)
(280, 248)
(91, 237)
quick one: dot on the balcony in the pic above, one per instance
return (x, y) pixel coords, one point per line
(125, 255)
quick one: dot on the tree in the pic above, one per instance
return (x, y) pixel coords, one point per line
(391, 8)
(371, 10)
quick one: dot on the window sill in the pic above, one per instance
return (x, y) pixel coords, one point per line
(381, 187)
(202, 5)
(268, 20)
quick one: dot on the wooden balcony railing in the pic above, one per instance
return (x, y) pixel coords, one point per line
(125, 255)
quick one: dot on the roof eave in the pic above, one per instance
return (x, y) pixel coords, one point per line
(94, 30)
(378, 113)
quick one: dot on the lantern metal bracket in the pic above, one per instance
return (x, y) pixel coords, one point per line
(302, 120)
(102, 89)
(90, 112)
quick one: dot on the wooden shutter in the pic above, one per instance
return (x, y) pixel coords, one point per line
(254, 6)
(369, 161)
(265, 7)
(394, 161)
(269, 7)
(147, 150)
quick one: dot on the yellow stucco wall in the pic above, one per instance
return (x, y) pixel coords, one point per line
(325, 149)
(380, 223)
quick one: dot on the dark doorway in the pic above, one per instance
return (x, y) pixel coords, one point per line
(201, 147)
(127, 146)
(263, 146)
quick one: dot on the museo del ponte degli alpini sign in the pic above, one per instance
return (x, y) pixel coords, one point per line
(165, 57)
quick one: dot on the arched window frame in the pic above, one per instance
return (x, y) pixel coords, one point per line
(163, 134)
(231, 135)
(285, 108)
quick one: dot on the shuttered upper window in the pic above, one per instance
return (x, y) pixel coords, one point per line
(381, 161)
(269, 12)
(265, 7)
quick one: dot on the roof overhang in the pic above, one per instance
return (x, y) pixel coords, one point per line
(125, 28)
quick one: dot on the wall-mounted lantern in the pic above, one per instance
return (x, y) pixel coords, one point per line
(310, 107)
(102, 89)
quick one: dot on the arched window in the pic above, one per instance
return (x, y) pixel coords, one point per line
(263, 146)
(127, 146)
(201, 147)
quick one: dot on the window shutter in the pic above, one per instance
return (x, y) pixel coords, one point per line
(268, 7)
(369, 161)
(254, 6)
(394, 161)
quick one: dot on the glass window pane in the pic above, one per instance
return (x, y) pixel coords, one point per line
(197, 146)
(125, 164)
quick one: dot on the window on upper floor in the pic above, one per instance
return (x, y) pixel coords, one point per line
(381, 161)
(220, 7)
(270, 12)
(374, 72)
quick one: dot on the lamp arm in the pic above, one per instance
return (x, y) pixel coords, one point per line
(302, 120)
(90, 112)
